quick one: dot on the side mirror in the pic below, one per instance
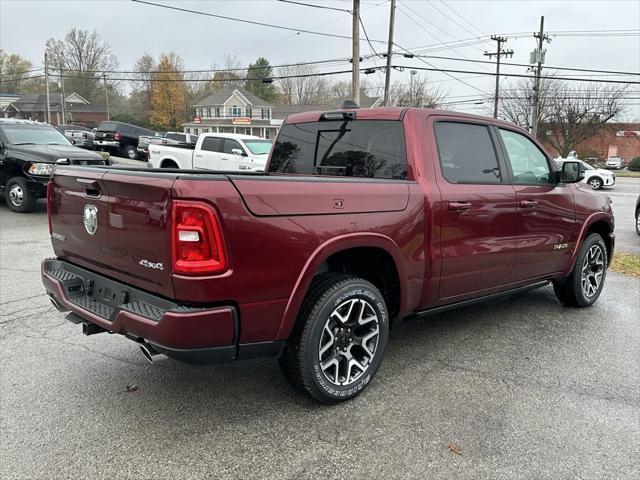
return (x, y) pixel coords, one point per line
(571, 172)
(237, 151)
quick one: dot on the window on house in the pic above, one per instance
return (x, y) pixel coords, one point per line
(235, 111)
(265, 113)
(217, 112)
(247, 112)
(195, 131)
(208, 113)
(188, 130)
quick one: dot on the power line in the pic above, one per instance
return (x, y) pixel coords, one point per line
(324, 7)
(251, 22)
(455, 12)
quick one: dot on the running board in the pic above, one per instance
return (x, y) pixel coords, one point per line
(474, 301)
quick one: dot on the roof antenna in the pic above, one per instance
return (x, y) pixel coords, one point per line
(349, 104)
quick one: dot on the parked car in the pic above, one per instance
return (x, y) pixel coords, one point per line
(638, 215)
(120, 138)
(29, 152)
(144, 141)
(215, 151)
(596, 178)
(615, 163)
(78, 135)
(363, 217)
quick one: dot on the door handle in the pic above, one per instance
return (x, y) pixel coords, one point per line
(199, 155)
(528, 204)
(224, 159)
(459, 206)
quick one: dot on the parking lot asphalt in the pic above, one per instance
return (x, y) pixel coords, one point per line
(516, 388)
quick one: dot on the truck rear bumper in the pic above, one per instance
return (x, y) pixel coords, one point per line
(193, 335)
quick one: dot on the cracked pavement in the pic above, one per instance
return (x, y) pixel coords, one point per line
(521, 387)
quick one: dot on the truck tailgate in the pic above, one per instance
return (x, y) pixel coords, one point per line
(131, 241)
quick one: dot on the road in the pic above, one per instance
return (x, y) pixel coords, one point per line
(519, 388)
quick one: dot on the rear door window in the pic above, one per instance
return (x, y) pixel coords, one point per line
(211, 144)
(350, 148)
(467, 153)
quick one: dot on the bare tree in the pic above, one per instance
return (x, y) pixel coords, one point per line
(419, 93)
(576, 114)
(516, 102)
(84, 55)
(140, 97)
(302, 87)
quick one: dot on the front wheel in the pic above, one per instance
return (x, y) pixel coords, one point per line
(18, 197)
(585, 282)
(339, 339)
(595, 183)
(638, 221)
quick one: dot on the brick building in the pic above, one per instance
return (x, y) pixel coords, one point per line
(78, 110)
(613, 140)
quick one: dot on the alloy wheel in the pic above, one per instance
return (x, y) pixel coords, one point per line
(592, 271)
(349, 341)
(595, 184)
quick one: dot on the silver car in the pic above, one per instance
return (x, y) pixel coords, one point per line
(614, 163)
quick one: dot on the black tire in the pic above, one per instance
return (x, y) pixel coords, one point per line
(595, 183)
(130, 152)
(301, 361)
(570, 290)
(18, 197)
(638, 221)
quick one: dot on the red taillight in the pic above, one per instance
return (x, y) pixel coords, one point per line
(197, 247)
(49, 206)
(116, 136)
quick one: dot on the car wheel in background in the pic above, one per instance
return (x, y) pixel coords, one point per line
(18, 198)
(130, 152)
(585, 282)
(638, 221)
(339, 339)
(595, 183)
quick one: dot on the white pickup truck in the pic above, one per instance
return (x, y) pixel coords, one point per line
(214, 151)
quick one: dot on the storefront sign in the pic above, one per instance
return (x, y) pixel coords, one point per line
(197, 119)
(628, 133)
(241, 121)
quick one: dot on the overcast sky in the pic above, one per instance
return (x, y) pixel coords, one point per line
(132, 29)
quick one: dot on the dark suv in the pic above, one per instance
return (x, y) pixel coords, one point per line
(29, 151)
(120, 138)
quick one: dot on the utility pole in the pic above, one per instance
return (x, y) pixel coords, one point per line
(412, 73)
(537, 56)
(498, 53)
(387, 77)
(355, 38)
(46, 81)
(64, 108)
(106, 94)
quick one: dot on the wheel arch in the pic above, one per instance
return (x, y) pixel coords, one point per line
(331, 255)
(601, 224)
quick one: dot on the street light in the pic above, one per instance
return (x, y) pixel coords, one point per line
(412, 72)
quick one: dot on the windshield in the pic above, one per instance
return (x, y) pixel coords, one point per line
(34, 135)
(258, 147)
(587, 166)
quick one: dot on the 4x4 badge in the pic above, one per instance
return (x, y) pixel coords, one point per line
(90, 219)
(146, 263)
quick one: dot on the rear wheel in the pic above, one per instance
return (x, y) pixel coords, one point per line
(130, 152)
(595, 183)
(585, 282)
(638, 221)
(339, 339)
(18, 197)
(169, 164)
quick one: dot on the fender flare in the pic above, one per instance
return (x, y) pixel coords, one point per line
(593, 218)
(321, 254)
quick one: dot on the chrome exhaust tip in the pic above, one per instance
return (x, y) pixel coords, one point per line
(150, 354)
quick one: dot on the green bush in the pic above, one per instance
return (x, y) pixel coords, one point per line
(634, 165)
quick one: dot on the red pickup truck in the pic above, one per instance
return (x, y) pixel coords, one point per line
(363, 217)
